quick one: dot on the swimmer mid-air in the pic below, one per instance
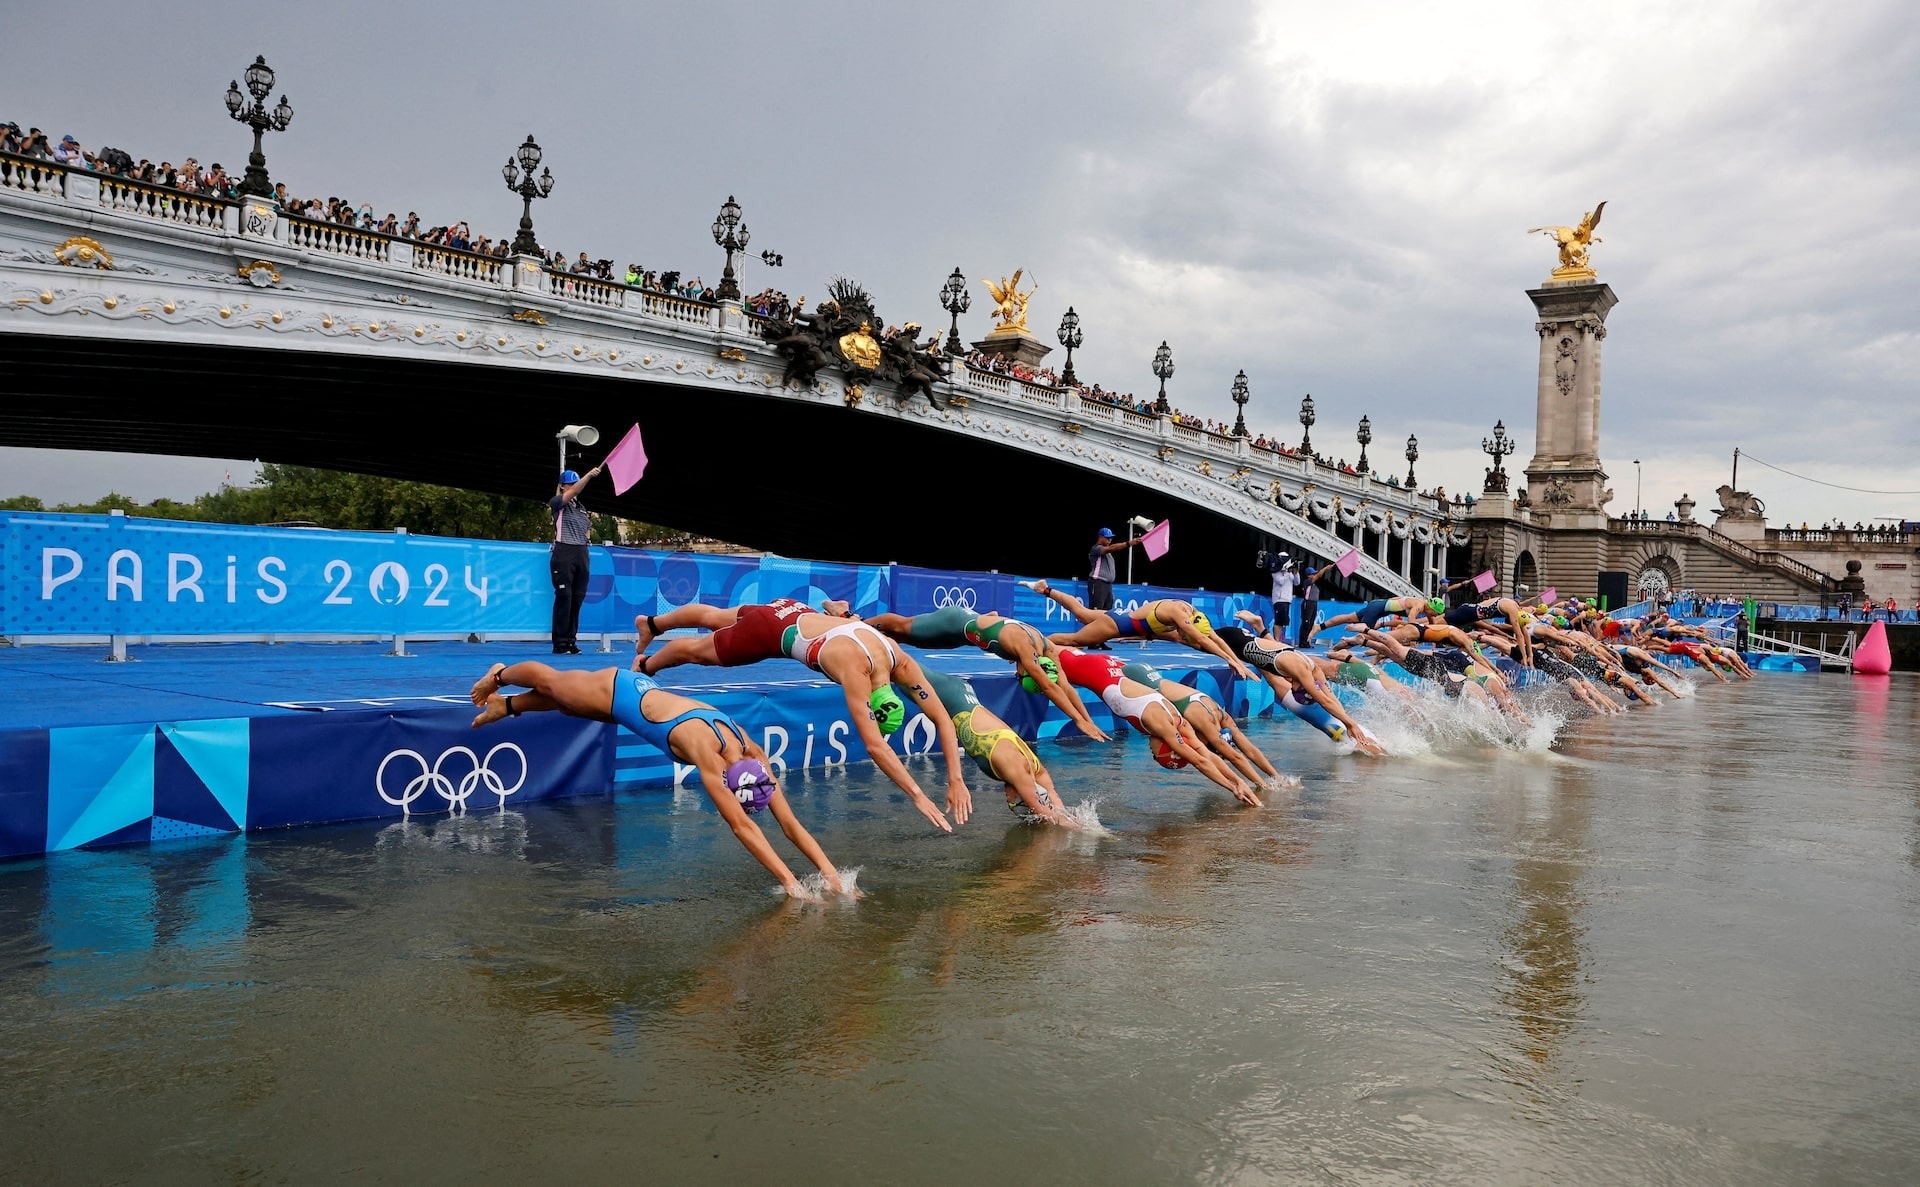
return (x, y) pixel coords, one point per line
(1152, 714)
(1165, 618)
(732, 767)
(1001, 753)
(1009, 639)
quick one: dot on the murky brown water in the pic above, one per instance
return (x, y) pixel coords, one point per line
(1684, 947)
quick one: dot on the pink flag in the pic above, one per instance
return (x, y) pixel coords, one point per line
(1155, 541)
(1348, 563)
(1550, 595)
(1484, 582)
(627, 461)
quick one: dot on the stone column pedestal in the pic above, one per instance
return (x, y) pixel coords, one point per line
(1014, 345)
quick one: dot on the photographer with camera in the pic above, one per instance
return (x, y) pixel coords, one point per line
(1285, 579)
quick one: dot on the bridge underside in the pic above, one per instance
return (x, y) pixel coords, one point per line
(819, 481)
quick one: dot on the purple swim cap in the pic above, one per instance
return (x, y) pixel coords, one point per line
(751, 783)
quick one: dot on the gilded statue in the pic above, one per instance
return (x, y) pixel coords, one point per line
(1574, 242)
(1011, 301)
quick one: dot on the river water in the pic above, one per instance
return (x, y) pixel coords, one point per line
(1680, 946)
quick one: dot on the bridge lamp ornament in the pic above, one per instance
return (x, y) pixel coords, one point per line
(582, 435)
(1413, 455)
(1365, 437)
(1163, 367)
(521, 181)
(1497, 447)
(1306, 426)
(955, 299)
(257, 116)
(730, 235)
(1070, 337)
(1240, 396)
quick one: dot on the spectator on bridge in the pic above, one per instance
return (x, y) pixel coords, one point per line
(67, 152)
(34, 144)
(568, 562)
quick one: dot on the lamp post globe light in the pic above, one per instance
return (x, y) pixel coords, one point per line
(1306, 425)
(955, 299)
(255, 115)
(1070, 337)
(731, 235)
(1240, 396)
(1163, 367)
(1413, 455)
(1497, 447)
(1365, 438)
(520, 180)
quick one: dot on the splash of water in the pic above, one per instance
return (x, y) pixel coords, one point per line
(1429, 724)
(815, 884)
(1086, 818)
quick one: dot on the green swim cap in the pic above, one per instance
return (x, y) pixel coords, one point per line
(1560, 620)
(888, 709)
(1436, 605)
(1046, 665)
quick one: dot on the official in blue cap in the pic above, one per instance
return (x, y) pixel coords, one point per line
(1100, 572)
(568, 562)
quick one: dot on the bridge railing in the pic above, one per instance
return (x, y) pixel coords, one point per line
(31, 175)
(460, 265)
(338, 239)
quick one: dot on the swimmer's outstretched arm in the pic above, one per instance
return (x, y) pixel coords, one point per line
(748, 833)
(908, 675)
(1191, 636)
(889, 762)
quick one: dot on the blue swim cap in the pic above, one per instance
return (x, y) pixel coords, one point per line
(751, 783)
(568, 478)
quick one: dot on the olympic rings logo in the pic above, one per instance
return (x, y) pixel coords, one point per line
(955, 595)
(479, 773)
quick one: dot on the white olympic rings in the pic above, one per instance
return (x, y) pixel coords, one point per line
(955, 595)
(480, 772)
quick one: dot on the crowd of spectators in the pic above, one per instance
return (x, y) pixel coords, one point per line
(188, 177)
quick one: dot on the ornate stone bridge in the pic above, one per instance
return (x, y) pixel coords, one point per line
(141, 319)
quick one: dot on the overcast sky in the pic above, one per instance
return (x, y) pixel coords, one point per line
(1332, 197)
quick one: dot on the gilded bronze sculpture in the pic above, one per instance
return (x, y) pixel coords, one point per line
(1574, 242)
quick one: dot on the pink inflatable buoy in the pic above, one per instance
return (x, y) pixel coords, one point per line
(1873, 657)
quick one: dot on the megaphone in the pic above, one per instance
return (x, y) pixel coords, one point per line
(1142, 522)
(580, 434)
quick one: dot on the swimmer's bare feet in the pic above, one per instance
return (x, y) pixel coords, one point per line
(644, 632)
(493, 709)
(1039, 586)
(486, 686)
(1250, 617)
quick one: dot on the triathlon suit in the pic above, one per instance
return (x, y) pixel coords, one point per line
(956, 693)
(807, 651)
(1429, 666)
(1248, 648)
(1355, 674)
(945, 627)
(1371, 613)
(987, 638)
(1150, 676)
(1104, 674)
(755, 634)
(1559, 669)
(1151, 625)
(1435, 634)
(1126, 626)
(1690, 650)
(631, 688)
(1469, 614)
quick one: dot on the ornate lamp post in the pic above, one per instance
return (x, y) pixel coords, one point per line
(528, 187)
(1413, 455)
(1365, 438)
(1306, 425)
(955, 299)
(1163, 367)
(255, 115)
(730, 234)
(1070, 337)
(1240, 396)
(1497, 447)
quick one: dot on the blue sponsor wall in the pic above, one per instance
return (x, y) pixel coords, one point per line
(120, 575)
